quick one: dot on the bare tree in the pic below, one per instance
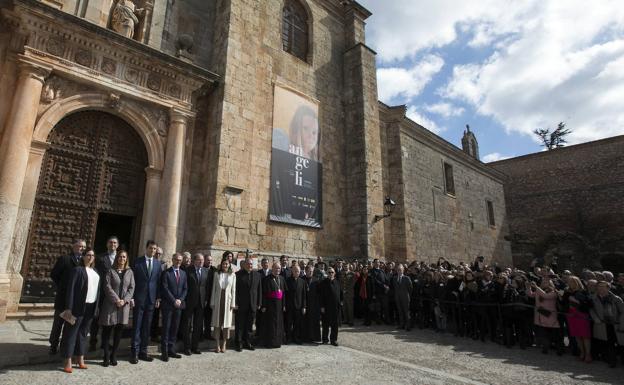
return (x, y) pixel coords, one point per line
(554, 139)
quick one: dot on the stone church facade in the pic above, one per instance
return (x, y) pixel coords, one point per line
(153, 120)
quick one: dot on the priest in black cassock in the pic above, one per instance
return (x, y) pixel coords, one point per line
(273, 308)
(330, 300)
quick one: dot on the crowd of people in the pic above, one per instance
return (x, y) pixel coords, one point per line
(306, 301)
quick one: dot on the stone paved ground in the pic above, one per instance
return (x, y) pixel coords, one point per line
(375, 355)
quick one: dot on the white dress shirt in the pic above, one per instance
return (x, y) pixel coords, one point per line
(93, 280)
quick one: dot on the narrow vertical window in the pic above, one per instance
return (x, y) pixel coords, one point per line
(295, 29)
(449, 182)
(490, 213)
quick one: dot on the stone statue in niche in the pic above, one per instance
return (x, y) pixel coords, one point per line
(125, 18)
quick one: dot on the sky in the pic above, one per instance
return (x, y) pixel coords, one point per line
(505, 67)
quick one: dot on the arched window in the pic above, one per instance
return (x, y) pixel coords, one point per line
(295, 29)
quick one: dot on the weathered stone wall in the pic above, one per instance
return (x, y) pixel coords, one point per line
(436, 223)
(195, 19)
(567, 202)
(237, 136)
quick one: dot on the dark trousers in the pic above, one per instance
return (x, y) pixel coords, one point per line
(95, 327)
(294, 330)
(243, 323)
(142, 323)
(116, 331)
(57, 329)
(170, 323)
(404, 313)
(330, 323)
(192, 327)
(154, 331)
(207, 321)
(74, 341)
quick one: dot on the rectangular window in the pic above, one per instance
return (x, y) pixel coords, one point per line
(449, 182)
(490, 213)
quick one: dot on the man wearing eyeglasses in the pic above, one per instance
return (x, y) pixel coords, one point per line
(330, 300)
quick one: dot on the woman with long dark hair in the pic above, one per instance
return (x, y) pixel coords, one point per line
(222, 302)
(81, 304)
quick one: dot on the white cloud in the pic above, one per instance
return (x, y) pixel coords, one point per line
(550, 60)
(493, 157)
(407, 82)
(446, 110)
(399, 29)
(415, 115)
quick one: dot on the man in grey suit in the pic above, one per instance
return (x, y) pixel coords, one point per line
(402, 296)
(196, 299)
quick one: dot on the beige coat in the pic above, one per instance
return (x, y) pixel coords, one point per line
(598, 312)
(230, 300)
(110, 314)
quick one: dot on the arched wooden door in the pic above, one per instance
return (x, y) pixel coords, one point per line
(93, 172)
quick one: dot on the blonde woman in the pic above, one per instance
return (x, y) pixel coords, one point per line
(576, 301)
(115, 312)
(222, 303)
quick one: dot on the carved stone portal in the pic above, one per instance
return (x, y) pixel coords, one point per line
(95, 164)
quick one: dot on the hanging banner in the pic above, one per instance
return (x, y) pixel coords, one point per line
(296, 170)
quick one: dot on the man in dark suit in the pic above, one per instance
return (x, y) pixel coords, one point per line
(378, 277)
(209, 281)
(295, 306)
(197, 276)
(103, 263)
(147, 271)
(173, 292)
(330, 299)
(248, 301)
(264, 272)
(60, 275)
(285, 270)
(402, 295)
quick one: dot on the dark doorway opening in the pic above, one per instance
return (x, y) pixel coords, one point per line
(121, 226)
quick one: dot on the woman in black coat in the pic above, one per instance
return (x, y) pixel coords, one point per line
(81, 303)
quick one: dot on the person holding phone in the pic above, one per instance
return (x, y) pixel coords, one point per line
(545, 315)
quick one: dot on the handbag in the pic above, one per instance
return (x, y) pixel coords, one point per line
(543, 311)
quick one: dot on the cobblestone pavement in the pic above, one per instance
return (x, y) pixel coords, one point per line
(375, 355)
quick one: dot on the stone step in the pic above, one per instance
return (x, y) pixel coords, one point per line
(32, 310)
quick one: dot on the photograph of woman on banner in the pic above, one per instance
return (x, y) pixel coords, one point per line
(304, 133)
(296, 170)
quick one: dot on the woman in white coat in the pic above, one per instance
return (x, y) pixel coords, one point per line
(222, 303)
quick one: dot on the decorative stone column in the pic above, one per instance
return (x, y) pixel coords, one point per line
(171, 184)
(150, 205)
(14, 152)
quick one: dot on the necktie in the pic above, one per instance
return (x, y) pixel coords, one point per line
(149, 266)
(177, 276)
(198, 274)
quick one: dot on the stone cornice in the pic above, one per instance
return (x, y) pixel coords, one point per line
(81, 49)
(418, 132)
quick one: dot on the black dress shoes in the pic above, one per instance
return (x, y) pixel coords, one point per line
(134, 360)
(196, 351)
(187, 352)
(334, 343)
(249, 347)
(164, 357)
(145, 357)
(238, 348)
(174, 355)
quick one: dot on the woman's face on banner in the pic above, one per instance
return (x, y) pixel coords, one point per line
(309, 133)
